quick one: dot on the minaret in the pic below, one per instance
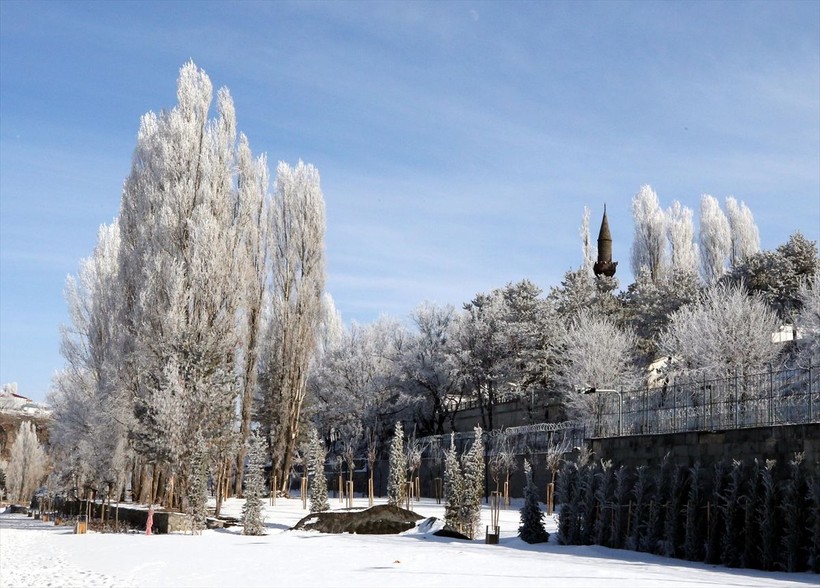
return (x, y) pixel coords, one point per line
(605, 265)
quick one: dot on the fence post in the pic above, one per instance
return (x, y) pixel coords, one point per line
(771, 395)
(737, 401)
(811, 411)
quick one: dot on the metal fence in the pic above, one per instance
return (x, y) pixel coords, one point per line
(776, 397)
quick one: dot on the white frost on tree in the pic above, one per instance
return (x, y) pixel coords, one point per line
(596, 353)
(27, 464)
(182, 279)
(727, 332)
(745, 236)
(297, 261)
(453, 487)
(473, 467)
(318, 481)
(253, 515)
(649, 244)
(681, 234)
(588, 248)
(715, 240)
(397, 477)
(807, 323)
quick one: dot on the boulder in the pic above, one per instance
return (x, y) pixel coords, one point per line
(383, 519)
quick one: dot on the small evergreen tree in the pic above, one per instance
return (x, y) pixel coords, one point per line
(532, 528)
(713, 539)
(750, 499)
(603, 501)
(453, 487)
(651, 540)
(619, 502)
(588, 485)
(253, 519)
(814, 528)
(397, 478)
(692, 534)
(672, 519)
(640, 492)
(732, 536)
(473, 486)
(566, 495)
(318, 483)
(198, 486)
(794, 517)
(767, 516)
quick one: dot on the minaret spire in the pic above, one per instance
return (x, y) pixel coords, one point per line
(605, 265)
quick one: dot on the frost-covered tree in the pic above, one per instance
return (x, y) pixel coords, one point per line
(253, 224)
(680, 231)
(296, 253)
(473, 467)
(531, 529)
(745, 236)
(198, 487)
(397, 477)
(453, 487)
(429, 369)
(648, 305)
(649, 243)
(318, 481)
(807, 322)
(504, 345)
(253, 516)
(588, 248)
(179, 265)
(726, 332)
(595, 353)
(91, 411)
(356, 386)
(27, 464)
(715, 239)
(778, 275)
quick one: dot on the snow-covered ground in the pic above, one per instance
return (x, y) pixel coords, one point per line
(34, 553)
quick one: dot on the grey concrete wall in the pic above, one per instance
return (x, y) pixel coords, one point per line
(709, 447)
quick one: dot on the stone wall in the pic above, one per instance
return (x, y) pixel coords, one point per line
(709, 447)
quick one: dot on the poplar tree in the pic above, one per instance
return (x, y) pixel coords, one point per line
(297, 280)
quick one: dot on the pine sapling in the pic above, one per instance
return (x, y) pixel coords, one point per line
(713, 539)
(620, 514)
(566, 496)
(397, 477)
(253, 518)
(732, 537)
(672, 517)
(767, 517)
(318, 482)
(794, 529)
(473, 486)
(453, 487)
(603, 502)
(640, 492)
(532, 528)
(198, 486)
(693, 527)
(589, 482)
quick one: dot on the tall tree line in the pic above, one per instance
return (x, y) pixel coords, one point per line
(198, 310)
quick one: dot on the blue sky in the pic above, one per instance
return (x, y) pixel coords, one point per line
(458, 142)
